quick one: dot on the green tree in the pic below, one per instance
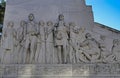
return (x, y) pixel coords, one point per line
(2, 12)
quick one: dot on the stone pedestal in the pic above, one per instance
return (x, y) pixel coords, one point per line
(60, 71)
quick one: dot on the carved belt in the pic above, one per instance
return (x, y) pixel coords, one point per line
(32, 34)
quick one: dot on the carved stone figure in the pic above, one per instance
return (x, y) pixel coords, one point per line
(49, 42)
(105, 54)
(40, 53)
(116, 50)
(113, 57)
(75, 37)
(31, 39)
(9, 40)
(90, 49)
(61, 40)
(21, 35)
(9, 36)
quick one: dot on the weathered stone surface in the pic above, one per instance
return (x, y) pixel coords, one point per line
(57, 39)
(60, 70)
(67, 44)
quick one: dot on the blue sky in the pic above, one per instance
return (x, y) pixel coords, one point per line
(106, 12)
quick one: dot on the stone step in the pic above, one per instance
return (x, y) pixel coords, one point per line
(60, 71)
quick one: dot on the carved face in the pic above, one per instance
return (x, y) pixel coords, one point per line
(61, 17)
(102, 37)
(22, 23)
(10, 24)
(72, 24)
(31, 17)
(41, 23)
(49, 23)
(115, 42)
(76, 30)
(88, 36)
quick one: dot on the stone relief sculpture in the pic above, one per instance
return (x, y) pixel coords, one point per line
(116, 50)
(90, 49)
(49, 42)
(21, 35)
(75, 36)
(9, 40)
(31, 39)
(106, 56)
(61, 40)
(9, 34)
(55, 43)
(40, 53)
(113, 56)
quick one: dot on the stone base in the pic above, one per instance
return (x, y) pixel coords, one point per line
(60, 71)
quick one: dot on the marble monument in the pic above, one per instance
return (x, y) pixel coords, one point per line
(57, 39)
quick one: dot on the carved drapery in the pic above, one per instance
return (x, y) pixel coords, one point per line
(55, 43)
